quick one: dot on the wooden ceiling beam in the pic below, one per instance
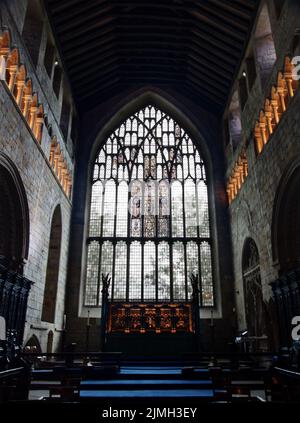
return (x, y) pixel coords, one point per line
(221, 27)
(89, 68)
(73, 22)
(215, 43)
(212, 66)
(223, 19)
(112, 41)
(96, 25)
(240, 10)
(90, 92)
(88, 45)
(203, 93)
(153, 60)
(203, 83)
(233, 8)
(210, 12)
(126, 51)
(80, 10)
(90, 85)
(149, 74)
(57, 6)
(126, 69)
(92, 39)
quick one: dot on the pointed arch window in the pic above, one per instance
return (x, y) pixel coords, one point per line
(149, 221)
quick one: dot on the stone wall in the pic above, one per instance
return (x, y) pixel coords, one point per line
(42, 187)
(251, 212)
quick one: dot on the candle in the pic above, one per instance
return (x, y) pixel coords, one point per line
(88, 319)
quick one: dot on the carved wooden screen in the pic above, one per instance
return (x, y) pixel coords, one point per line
(149, 219)
(255, 313)
(150, 317)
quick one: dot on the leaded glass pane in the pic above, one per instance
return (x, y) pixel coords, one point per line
(149, 209)
(163, 265)
(122, 211)
(109, 208)
(178, 271)
(190, 207)
(203, 215)
(149, 271)
(135, 271)
(192, 262)
(96, 209)
(177, 210)
(206, 275)
(92, 270)
(120, 271)
(136, 208)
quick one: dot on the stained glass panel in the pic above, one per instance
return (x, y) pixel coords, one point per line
(96, 209)
(122, 210)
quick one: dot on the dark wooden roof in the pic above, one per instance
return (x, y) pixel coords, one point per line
(192, 46)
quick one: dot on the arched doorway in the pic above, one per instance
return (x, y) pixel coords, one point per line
(14, 241)
(33, 345)
(14, 217)
(254, 303)
(52, 274)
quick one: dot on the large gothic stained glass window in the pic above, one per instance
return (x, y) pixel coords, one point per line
(149, 220)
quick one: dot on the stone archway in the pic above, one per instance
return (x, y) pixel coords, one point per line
(14, 217)
(33, 345)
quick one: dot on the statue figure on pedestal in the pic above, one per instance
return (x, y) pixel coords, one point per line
(106, 279)
(195, 285)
